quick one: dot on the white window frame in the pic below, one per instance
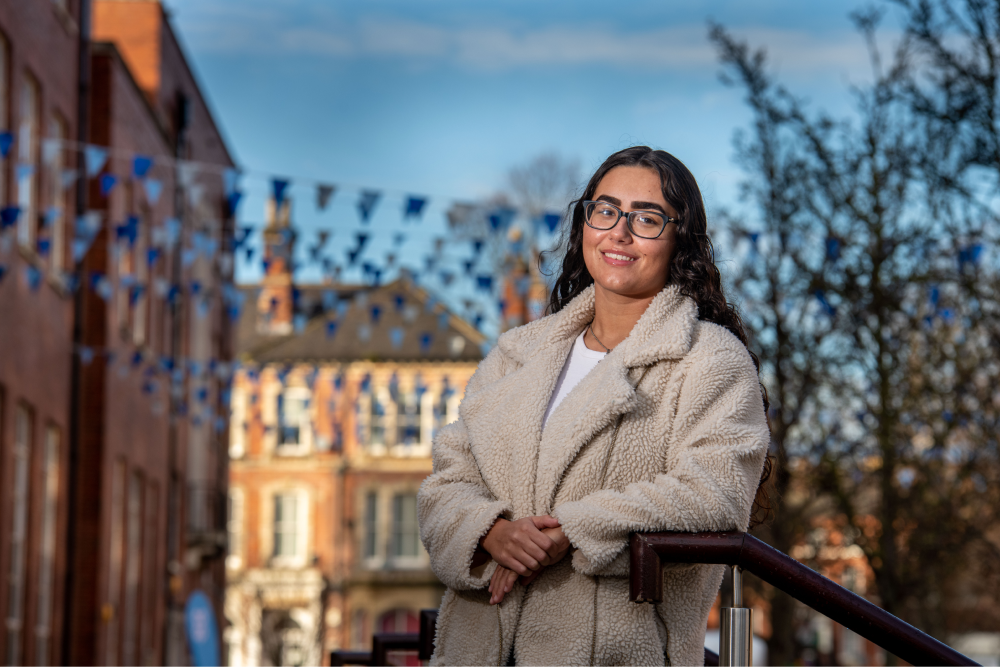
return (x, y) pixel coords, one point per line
(300, 558)
(382, 395)
(403, 561)
(237, 422)
(234, 528)
(305, 443)
(27, 154)
(371, 529)
(47, 557)
(19, 532)
(57, 131)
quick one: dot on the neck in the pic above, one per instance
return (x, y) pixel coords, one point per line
(615, 315)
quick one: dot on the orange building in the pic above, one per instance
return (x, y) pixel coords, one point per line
(340, 390)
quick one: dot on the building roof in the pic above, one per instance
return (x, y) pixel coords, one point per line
(366, 320)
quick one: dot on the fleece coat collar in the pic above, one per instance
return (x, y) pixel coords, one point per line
(664, 332)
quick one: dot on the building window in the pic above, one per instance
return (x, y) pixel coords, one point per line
(378, 419)
(237, 422)
(55, 215)
(294, 422)
(151, 577)
(19, 533)
(405, 534)
(27, 157)
(408, 419)
(234, 528)
(399, 620)
(116, 551)
(371, 525)
(133, 571)
(290, 529)
(46, 564)
(4, 125)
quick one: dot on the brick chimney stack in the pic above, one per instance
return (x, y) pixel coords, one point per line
(275, 305)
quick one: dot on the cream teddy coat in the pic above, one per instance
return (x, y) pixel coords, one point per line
(687, 457)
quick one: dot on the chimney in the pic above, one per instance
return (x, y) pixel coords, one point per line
(275, 305)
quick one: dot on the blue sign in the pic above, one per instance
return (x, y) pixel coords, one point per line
(202, 633)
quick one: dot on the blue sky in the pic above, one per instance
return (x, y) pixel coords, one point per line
(443, 97)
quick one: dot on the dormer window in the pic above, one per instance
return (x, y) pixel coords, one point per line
(294, 427)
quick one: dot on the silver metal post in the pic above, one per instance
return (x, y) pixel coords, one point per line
(736, 631)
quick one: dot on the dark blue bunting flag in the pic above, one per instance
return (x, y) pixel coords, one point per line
(969, 255)
(6, 141)
(935, 294)
(833, 249)
(352, 256)
(551, 221)
(415, 207)
(376, 312)
(233, 200)
(152, 254)
(141, 165)
(469, 264)
(400, 301)
(362, 240)
(108, 182)
(827, 308)
(501, 218)
(278, 187)
(399, 238)
(425, 341)
(446, 277)
(324, 193)
(9, 216)
(477, 246)
(485, 282)
(129, 230)
(43, 246)
(366, 203)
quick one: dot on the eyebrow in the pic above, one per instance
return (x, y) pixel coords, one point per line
(636, 205)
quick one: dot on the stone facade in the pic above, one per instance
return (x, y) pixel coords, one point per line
(330, 436)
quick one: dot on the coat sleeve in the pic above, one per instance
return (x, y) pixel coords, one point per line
(455, 507)
(716, 449)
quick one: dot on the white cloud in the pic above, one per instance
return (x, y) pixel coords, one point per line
(255, 27)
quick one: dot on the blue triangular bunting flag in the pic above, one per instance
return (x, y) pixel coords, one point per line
(141, 165)
(153, 189)
(108, 182)
(6, 141)
(278, 187)
(95, 157)
(366, 203)
(415, 206)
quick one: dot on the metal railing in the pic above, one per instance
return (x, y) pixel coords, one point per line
(743, 552)
(649, 551)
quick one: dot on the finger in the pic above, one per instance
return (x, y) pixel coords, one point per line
(532, 556)
(545, 521)
(544, 542)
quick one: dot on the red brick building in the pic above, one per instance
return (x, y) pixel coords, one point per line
(113, 431)
(39, 44)
(330, 439)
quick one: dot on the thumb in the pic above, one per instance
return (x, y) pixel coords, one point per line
(545, 521)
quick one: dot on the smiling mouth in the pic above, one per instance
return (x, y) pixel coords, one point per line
(619, 257)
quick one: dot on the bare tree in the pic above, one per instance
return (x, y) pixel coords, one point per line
(892, 315)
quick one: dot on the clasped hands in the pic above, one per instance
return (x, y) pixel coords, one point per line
(522, 548)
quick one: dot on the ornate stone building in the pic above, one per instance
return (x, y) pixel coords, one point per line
(340, 391)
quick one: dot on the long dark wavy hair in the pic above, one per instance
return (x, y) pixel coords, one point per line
(692, 267)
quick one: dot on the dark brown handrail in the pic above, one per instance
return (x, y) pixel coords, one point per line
(338, 658)
(650, 550)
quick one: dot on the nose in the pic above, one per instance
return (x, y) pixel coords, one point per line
(621, 231)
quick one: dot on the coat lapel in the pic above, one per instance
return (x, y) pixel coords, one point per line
(519, 462)
(663, 332)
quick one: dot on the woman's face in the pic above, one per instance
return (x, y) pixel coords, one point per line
(619, 262)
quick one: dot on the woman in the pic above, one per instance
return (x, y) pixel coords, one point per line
(634, 406)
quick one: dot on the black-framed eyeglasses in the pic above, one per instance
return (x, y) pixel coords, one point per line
(644, 224)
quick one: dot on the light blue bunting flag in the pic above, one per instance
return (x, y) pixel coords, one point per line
(68, 177)
(95, 158)
(501, 218)
(23, 171)
(230, 179)
(396, 335)
(33, 277)
(153, 188)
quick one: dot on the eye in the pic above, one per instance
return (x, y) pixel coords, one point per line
(648, 219)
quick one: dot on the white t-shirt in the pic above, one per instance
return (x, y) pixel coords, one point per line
(581, 360)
